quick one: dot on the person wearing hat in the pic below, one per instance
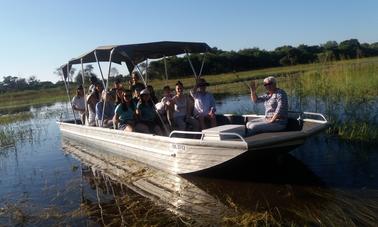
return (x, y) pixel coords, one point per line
(276, 108)
(146, 114)
(204, 104)
(78, 103)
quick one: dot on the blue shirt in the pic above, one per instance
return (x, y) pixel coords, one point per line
(125, 115)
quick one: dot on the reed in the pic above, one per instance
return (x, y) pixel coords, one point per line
(346, 91)
(19, 99)
(10, 118)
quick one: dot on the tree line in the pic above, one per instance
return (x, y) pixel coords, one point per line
(218, 61)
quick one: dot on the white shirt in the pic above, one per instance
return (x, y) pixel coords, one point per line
(203, 102)
(79, 103)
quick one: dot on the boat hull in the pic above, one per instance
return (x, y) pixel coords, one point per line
(176, 155)
(184, 155)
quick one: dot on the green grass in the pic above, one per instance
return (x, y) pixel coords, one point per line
(348, 87)
(10, 118)
(19, 99)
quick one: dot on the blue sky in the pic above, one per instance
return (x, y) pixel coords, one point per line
(38, 36)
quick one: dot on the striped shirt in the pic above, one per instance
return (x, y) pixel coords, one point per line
(275, 103)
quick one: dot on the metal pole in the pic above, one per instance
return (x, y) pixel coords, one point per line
(68, 92)
(203, 61)
(191, 65)
(85, 98)
(106, 87)
(98, 63)
(166, 70)
(146, 70)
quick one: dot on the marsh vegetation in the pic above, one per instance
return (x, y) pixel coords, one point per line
(329, 181)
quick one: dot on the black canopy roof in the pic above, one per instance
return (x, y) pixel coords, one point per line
(133, 54)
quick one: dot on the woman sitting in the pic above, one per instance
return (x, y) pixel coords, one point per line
(124, 117)
(183, 108)
(105, 120)
(165, 106)
(276, 108)
(92, 99)
(146, 114)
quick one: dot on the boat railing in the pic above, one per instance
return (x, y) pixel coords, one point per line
(186, 133)
(232, 134)
(323, 119)
(202, 134)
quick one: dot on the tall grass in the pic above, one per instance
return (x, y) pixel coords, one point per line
(346, 91)
(349, 92)
(18, 99)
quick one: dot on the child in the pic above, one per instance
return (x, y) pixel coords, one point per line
(165, 106)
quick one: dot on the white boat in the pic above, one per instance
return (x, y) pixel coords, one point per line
(183, 152)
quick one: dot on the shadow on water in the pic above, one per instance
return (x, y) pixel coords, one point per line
(281, 169)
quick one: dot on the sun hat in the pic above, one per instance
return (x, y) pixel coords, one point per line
(202, 82)
(145, 92)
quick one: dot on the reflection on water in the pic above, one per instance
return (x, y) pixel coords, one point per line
(168, 192)
(326, 181)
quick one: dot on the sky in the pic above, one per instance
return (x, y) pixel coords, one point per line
(38, 36)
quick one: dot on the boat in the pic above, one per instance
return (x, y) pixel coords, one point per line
(185, 152)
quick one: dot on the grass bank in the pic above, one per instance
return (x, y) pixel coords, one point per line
(19, 99)
(346, 91)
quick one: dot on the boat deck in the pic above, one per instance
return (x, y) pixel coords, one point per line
(308, 127)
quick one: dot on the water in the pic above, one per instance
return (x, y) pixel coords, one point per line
(47, 181)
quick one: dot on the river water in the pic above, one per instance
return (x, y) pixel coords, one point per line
(45, 180)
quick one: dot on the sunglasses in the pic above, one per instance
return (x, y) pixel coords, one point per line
(267, 84)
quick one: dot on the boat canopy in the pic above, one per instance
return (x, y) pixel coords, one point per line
(134, 54)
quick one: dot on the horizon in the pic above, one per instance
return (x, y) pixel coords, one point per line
(43, 35)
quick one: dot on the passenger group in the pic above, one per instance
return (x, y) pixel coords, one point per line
(138, 109)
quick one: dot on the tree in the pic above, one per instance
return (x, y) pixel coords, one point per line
(33, 82)
(350, 48)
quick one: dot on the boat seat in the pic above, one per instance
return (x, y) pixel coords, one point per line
(214, 132)
(294, 124)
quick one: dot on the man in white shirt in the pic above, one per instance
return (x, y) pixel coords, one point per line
(204, 104)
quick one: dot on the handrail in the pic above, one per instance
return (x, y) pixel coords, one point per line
(324, 120)
(203, 134)
(316, 114)
(253, 115)
(233, 134)
(186, 132)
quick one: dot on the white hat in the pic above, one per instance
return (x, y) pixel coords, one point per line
(145, 92)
